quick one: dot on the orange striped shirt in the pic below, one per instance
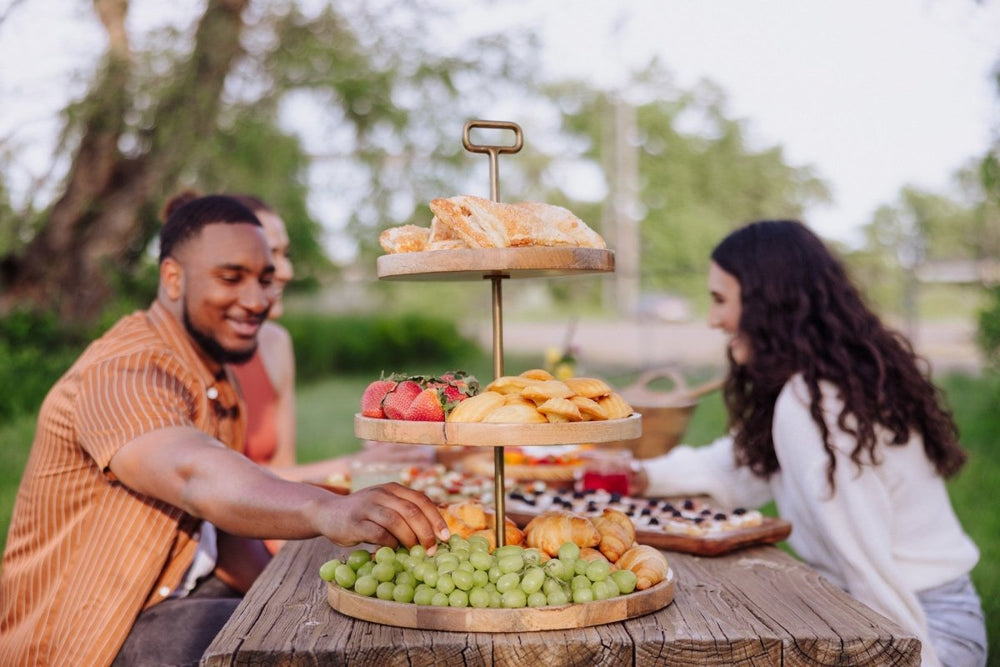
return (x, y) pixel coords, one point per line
(84, 553)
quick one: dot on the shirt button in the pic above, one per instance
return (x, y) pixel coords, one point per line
(164, 591)
(212, 393)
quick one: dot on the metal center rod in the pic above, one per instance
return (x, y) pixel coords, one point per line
(499, 491)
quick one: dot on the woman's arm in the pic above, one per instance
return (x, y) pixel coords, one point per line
(278, 355)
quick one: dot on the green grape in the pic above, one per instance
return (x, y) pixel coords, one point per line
(513, 563)
(559, 569)
(366, 568)
(508, 550)
(532, 580)
(580, 581)
(624, 580)
(420, 571)
(447, 563)
(583, 594)
(463, 580)
(580, 566)
(439, 599)
(458, 598)
(385, 555)
(481, 560)
(404, 561)
(480, 578)
(423, 596)
(601, 589)
(406, 578)
(418, 551)
(345, 576)
(431, 577)
(403, 593)
(537, 599)
(479, 598)
(384, 571)
(557, 598)
(513, 599)
(457, 542)
(366, 585)
(467, 566)
(384, 590)
(568, 551)
(478, 543)
(495, 599)
(358, 557)
(552, 585)
(445, 584)
(490, 587)
(327, 569)
(494, 573)
(508, 582)
(462, 554)
(598, 570)
(532, 556)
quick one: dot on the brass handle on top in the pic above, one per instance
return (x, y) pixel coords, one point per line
(493, 150)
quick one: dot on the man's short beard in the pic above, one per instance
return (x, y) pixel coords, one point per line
(213, 348)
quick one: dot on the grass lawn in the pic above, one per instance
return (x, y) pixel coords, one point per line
(325, 420)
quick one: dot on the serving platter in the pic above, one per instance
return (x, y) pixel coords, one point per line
(476, 264)
(478, 434)
(528, 619)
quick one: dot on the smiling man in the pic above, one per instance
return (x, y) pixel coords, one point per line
(136, 521)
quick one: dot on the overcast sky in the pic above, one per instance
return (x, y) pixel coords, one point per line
(874, 94)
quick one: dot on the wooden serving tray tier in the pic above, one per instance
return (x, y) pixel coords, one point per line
(528, 619)
(476, 264)
(496, 435)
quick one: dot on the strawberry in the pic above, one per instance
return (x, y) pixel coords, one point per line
(427, 406)
(396, 402)
(371, 400)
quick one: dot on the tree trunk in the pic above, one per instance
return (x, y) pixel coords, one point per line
(95, 226)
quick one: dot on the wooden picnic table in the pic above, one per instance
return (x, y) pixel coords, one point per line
(755, 606)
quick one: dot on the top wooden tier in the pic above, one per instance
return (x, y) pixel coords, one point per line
(477, 264)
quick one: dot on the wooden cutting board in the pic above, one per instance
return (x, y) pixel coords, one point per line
(770, 530)
(528, 619)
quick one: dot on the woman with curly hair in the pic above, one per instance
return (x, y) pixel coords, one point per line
(832, 416)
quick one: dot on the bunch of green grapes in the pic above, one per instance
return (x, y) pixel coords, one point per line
(464, 573)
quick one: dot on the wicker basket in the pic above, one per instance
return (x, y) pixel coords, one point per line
(665, 414)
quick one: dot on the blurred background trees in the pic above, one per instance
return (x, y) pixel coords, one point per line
(347, 117)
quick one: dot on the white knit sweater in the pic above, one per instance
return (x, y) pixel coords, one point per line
(888, 532)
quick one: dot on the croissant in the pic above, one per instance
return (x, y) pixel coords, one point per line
(591, 554)
(617, 533)
(512, 534)
(550, 530)
(649, 565)
(465, 518)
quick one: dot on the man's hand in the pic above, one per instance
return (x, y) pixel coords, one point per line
(388, 514)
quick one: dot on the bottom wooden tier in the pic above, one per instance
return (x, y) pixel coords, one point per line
(466, 619)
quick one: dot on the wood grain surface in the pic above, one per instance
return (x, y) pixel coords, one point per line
(496, 435)
(477, 264)
(757, 606)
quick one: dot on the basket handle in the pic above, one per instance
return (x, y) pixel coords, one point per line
(680, 386)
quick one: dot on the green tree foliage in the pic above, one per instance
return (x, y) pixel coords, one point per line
(700, 175)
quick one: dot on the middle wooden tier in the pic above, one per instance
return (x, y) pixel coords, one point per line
(497, 435)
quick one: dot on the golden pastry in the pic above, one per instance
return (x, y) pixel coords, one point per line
(476, 408)
(516, 413)
(405, 238)
(588, 387)
(541, 391)
(589, 408)
(560, 410)
(616, 406)
(537, 374)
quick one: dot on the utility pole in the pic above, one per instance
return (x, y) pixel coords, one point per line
(621, 219)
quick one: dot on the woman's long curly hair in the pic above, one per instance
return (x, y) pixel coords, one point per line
(802, 314)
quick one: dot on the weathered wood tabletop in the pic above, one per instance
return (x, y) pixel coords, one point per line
(756, 606)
